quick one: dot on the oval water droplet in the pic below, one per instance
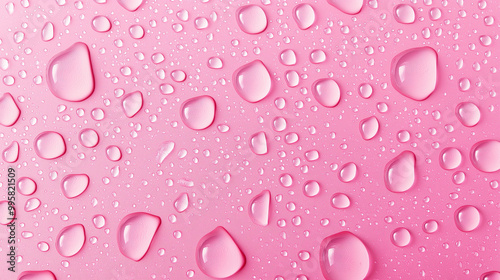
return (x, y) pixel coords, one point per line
(252, 19)
(182, 202)
(218, 255)
(430, 226)
(37, 275)
(317, 56)
(485, 155)
(74, 185)
(288, 57)
(348, 172)
(99, 221)
(467, 218)
(343, 256)
(89, 138)
(311, 188)
(101, 24)
(70, 240)
(340, 201)
(11, 153)
(292, 78)
(258, 143)
(400, 172)
(369, 127)
(113, 153)
(69, 73)
(135, 234)
(258, 208)
(136, 31)
(48, 32)
(165, 150)
(468, 114)
(215, 63)
(404, 13)
(450, 158)
(414, 72)
(326, 92)
(26, 186)
(9, 111)
(365, 90)
(132, 103)
(304, 15)
(130, 5)
(50, 145)
(199, 112)
(252, 81)
(401, 237)
(350, 7)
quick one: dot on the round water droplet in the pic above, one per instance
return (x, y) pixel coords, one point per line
(343, 256)
(326, 92)
(279, 124)
(259, 208)
(69, 73)
(11, 153)
(288, 57)
(467, 218)
(218, 255)
(400, 172)
(403, 136)
(401, 237)
(130, 5)
(317, 56)
(6, 215)
(252, 19)
(43, 246)
(350, 7)
(132, 103)
(70, 240)
(136, 31)
(485, 155)
(468, 113)
(26, 186)
(430, 226)
(9, 111)
(450, 158)
(258, 143)
(89, 138)
(286, 180)
(101, 24)
(198, 112)
(113, 153)
(312, 155)
(369, 127)
(74, 185)
(50, 145)
(414, 72)
(365, 90)
(491, 275)
(304, 15)
(348, 172)
(340, 201)
(252, 81)
(135, 234)
(182, 202)
(99, 221)
(311, 188)
(404, 13)
(37, 275)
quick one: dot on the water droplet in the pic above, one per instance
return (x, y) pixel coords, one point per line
(311, 188)
(99, 221)
(403, 136)
(492, 275)
(37, 275)
(404, 13)
(165, 150)
(9, 111)
(101, 24)
(130, 5)
(340, 201)
(286, 180)
(252, 81)
(288, 57)
(304, 15)
(365, 90)
(198, 112)
(89, 138)
(135, 234)
(259, 208)
(348, 172)
(468, 113)
(70, 240)
(69, 74)
(467, 218)
(50, 145)
(312, 155)
(414, 72)
(369, 127)
(218, 255)
(485, 155)
(201, 23)
(252, 19)
(136, 31)
(401, 237)
(350, 7)
(326, 92)
(215, 63)
(344, 256)
(178, 76)
(258, 143)
(74, 185)
(292, 78)
(182, 202)
(430, 226)
(11, 153)
(113, 153)
(279, 124)
(317, 56)
(132, 103)
(400, 172)
(48, 32)
(43, 246)
(450, 158)
(26, 186)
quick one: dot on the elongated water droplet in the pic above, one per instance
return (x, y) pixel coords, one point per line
(69, 74)
(343, 256)
(101, 24)
(165, 150)
(401, 237)
(292, 78)
(468, 114)
(135, 234)
(9, 111)
(198, 112)
(485, 155)
(326, 92)
(11, 153)
(258, 143)
(369, 127)
(182, 202)
(450, 158)
(252, 19)
(37, 275)
(50, 145)
(130, 5)
(348, 172)
(89, 138)
(304, 15)
(400, 172)
(340, 201)
(350, 7)
(26, 186)
(48, 32)
(132, 103)
(218, 255)
(404, 13)
(70, 240)
(414, 72)
(74, 185)
(259, 208)
(467, 218)
(252, 81)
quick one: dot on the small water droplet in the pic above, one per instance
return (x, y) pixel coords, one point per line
(468, 114)
(99, 221)
(113, 153)
(26, 186)
(430, 226)
(450, 158)
(401, 237)
(101, 24)
(369, 127)
(404, 13)
(258, 143)
(311, 188)
(132, 103)
(182, 202)
(304, 15)
(340, 201)
(348, 172)
(89, 138)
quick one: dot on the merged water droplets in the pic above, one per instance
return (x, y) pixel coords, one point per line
(258, 208)
(69, 73)
(74, 185)
(50, 145)
(9, 111)
(70, 240)
(132, 103)
(485, 155)
(304, 15)
(135, 234)
(258, 143)
(326, 92)
(467, 218)
(199, 112)
(400, 172)
(218, 255)
(252, 19)
(252, 81)
(468, 114)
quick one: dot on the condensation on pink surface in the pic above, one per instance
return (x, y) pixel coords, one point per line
(272, 139)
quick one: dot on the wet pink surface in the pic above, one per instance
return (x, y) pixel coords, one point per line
(147, 65)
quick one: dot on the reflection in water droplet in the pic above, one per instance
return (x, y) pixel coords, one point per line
(340, 201)
(252, 81)
(468, 113)
(70, 240)
(11, 153)
(430, 226)
(350, 7)
(259, 208)
(132, 103)
(113, 153)
(258, 143)
(311, 188)
(198, 112)
(101, 24)
(400, 172)
(401, 237)
(182, 202)
(9, 111)
(89, 138)
(37, 275)
(348, 172)
(369, 127)
(343, 256)
(404, 13)
(304, 15)
(26, 186)
(217, 254)
(467, 218)
(74, 185)
(252, 19)
(50, 145)
(135, 234)
(326, 92)
(485, 155)
(365, 90)
(450, 158)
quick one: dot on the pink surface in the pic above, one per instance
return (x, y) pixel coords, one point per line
(195, 144)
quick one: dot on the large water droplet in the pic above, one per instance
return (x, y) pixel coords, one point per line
(468, 113)
(369, 127)
(252, 19)
(69, 74)
(198, 112)
(401, 237)
(350, 7)
(113, 153)
(311, 188)
(414, 72)
(450, 158)
(9, 111)
(135, 234)
(218, 255)
(26, 186)
(288, 57)
(485, 155)
(343, 256)
(404, 13)
(400, 172)
(50, 145)
(132, 103)
(430, 226)
(491, 275)
(130, 5)
(32, 204)
(74, 185)
(252, 81)
(37, 275)
(326, 92)
(70, 240)
(11, 153)
(467, 218)
(259, 208)
(258, 143)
